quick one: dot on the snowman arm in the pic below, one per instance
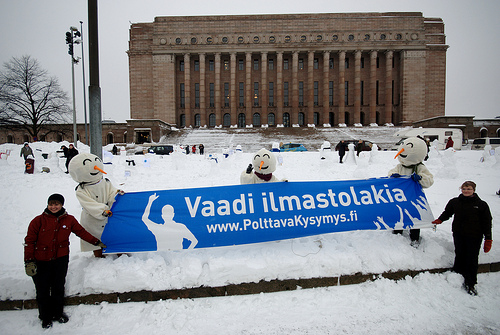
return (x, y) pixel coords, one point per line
(111, 192)
(427, 177)
(94, 208)
(246, 178)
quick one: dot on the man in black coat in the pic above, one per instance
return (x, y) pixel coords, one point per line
(69, 153)
(341, 147)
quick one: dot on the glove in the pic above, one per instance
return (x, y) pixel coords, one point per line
(30, 268)
(107, 213)
(395, 175)
(437, 221)
(100, 244)
(249, 168)
(487, 245)
(416, 177)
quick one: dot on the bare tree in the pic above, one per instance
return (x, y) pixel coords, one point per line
(30, 98)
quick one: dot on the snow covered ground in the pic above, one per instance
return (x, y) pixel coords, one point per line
(426, 304)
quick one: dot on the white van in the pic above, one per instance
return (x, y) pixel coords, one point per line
(480, 143)
(439, 134)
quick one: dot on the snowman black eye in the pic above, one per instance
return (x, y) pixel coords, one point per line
(410, 144)
(267, 156)
(255, 157)
(97, 159)
(86, 159)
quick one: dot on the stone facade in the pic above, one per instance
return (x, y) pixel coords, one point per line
(351, 68)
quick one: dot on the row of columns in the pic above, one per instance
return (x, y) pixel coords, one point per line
(294, 93)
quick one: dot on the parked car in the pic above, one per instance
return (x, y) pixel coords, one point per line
(480, 143)
(165, 149)
(367, 145)
(292, 147)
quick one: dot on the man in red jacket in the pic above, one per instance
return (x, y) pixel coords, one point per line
(46, 257)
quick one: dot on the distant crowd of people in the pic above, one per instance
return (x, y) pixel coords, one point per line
(201, 149)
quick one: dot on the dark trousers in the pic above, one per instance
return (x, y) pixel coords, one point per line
(49, 284)
(414, 234)
(467, 257)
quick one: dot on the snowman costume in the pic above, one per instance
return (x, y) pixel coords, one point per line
(95, 194)
(261, 169)
(410, 155)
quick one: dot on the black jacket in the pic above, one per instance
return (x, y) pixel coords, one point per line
(472, 216)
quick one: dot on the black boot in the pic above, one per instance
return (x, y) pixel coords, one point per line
(62, 319)
(46, 324)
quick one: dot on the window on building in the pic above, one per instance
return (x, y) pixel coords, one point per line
(330, 93)
(271, 64)
(212, 94)
(256, 94)
(301, 64)
(285, 64)
(256, 119)
(362, 62)
(197, 120)
(226, 121)
(392, 93)
(197, 65)
(197, 95)
(271, 119)
(316, 63)
(316, 118)
(301, 119)
(182, 120)
(241, 120)
(226, 94)
(241, 65)
(378, 62)
(286, 119)
(211, 65)
(211, 120)
(301, 93)
(346, 93)
(183, 97)
(377, 91)
(285, 94)
(316, 93)
(181, 65)
(271, 94)
(226, 64)
(346, 63)
(330, 63)
(255, 64)
(242, 94)
(362, 92)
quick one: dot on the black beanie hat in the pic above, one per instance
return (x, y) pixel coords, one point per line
(56, 197)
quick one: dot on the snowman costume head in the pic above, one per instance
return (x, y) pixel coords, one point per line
(261, 170)
(410, 155)
(412, 151)
(86, 168)
(264, 162)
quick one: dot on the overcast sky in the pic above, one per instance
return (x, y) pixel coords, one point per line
(37, 28)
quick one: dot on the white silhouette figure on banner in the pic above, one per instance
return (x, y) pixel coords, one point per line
(170, 234)
(423, 208)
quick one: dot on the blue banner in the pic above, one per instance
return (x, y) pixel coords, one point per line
(242, 214)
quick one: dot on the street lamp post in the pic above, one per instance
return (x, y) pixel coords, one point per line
(87, 140)
(70, 35)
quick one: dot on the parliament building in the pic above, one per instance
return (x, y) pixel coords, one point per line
(288, 70)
